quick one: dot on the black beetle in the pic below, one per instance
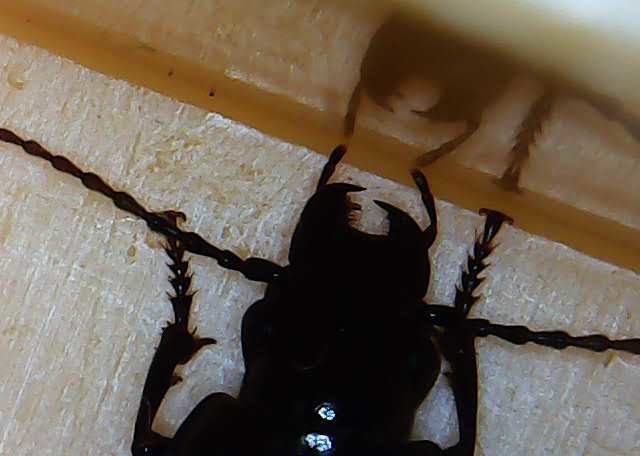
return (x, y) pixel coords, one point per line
(342, 349)
(470, 77)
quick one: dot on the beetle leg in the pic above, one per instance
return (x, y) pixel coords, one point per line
(458, 349)
(457, 341)
(530, 127)
(559, 340)
(457, 344)
(185, 344)
(482, 248)
(253, 268)
(177, 346)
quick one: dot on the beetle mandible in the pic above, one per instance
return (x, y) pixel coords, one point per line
(321, 346)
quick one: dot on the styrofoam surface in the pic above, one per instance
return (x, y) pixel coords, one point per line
(83, 284)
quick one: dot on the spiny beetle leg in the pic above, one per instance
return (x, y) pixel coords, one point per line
(185, 344)
(459, 350)
(177, 346)
(456, 343)
(482, 248)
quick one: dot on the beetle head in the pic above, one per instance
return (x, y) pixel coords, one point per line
(325, 218)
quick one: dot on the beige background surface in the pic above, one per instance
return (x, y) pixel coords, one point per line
(309, 52)
(83, 284)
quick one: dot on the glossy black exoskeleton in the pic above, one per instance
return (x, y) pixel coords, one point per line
(342, 349)
(469, 77)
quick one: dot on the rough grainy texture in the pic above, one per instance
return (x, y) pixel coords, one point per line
(83, 295)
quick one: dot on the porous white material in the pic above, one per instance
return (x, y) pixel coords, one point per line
(83, 284)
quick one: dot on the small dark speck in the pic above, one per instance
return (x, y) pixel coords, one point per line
(28, 20)
(170, 73)
(99, 116)
(212, 93)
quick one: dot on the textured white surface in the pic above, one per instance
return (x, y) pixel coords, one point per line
(83, 284)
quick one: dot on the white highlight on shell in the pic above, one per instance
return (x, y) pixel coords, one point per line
(326, 412)
(318, 442)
